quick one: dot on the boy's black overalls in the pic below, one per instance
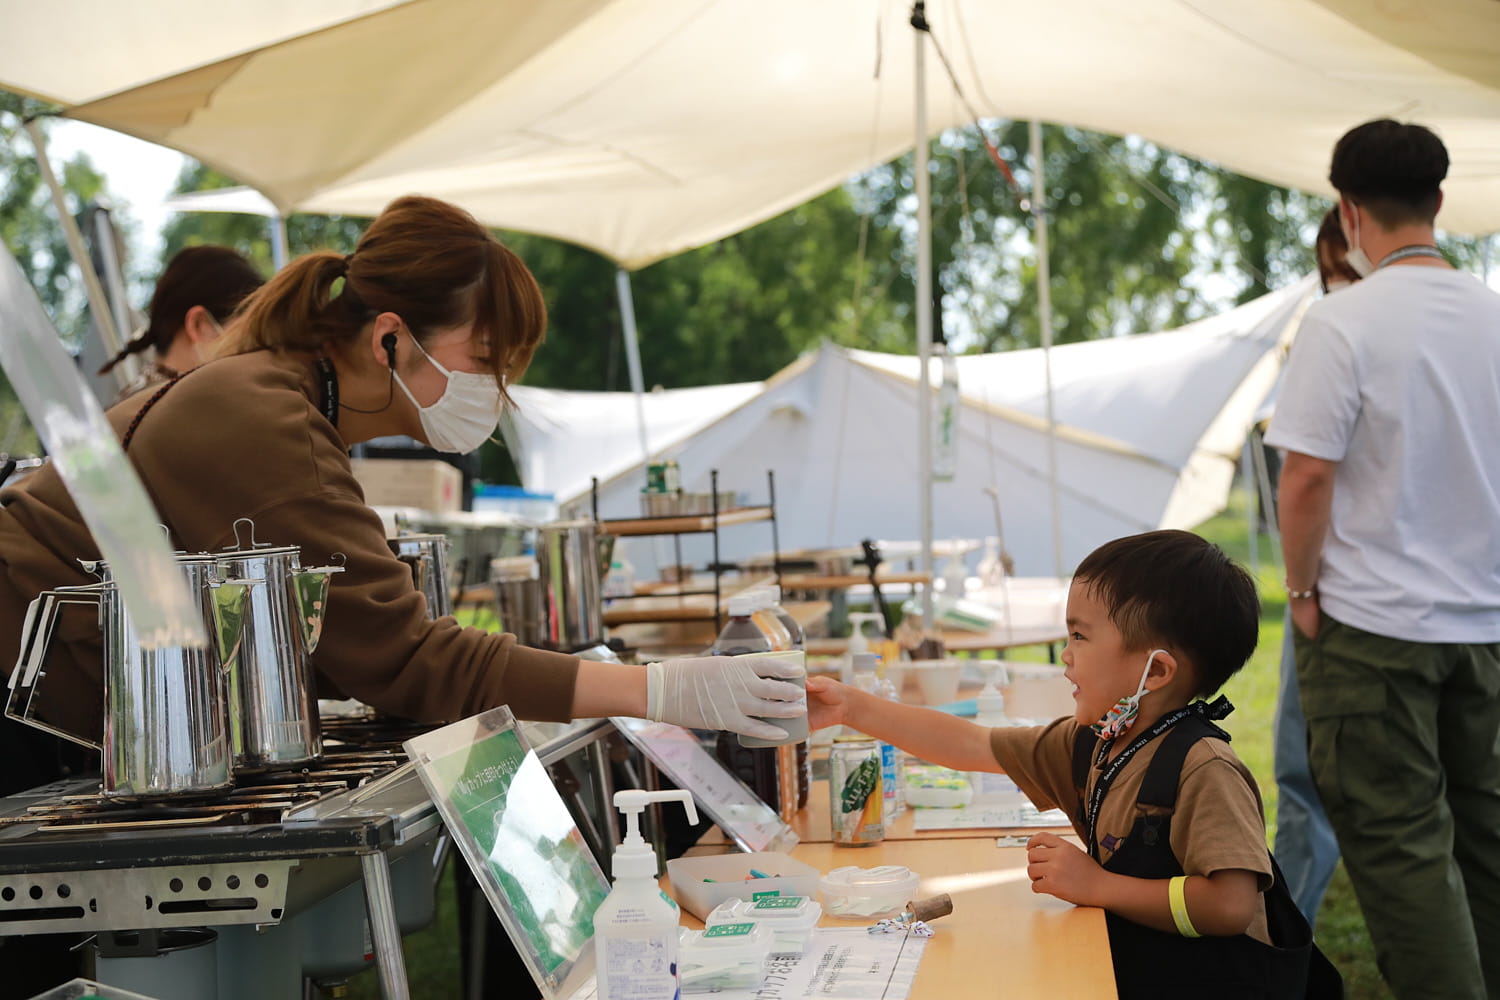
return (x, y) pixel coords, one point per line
(1160, 966)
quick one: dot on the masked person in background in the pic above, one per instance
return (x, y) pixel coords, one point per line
(416, 332)
(198, 292)
(1389, 507)
(1305, 844)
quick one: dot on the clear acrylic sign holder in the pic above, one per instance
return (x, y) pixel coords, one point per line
(728, 801)
(515, 832)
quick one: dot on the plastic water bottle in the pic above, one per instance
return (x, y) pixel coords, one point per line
(892, 778)
(799, 637)
(765, 617)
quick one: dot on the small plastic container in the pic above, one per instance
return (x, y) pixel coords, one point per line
(867, 892)
(728, 956)
(731, 878)
(929, 787)
(789, 918)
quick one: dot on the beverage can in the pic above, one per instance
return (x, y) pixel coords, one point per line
(855, 793)
(672, 476)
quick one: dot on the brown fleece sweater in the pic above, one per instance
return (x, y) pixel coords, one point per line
(244, 437)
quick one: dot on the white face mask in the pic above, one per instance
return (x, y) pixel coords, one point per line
(464, 416)
(1357, 258)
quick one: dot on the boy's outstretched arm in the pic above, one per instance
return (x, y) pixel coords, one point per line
(1219, 904)
(931, 735)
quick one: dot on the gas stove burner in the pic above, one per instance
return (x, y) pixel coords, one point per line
(358, 752)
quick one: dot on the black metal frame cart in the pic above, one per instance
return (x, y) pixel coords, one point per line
(248, 905)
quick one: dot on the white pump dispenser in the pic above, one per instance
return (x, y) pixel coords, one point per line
(635, 928)
(990, 703)
(858, 642)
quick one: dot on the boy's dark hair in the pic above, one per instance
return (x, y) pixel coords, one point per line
(1392, 169)
(1175, 590)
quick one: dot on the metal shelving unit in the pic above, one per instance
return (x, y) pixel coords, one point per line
(677, 525)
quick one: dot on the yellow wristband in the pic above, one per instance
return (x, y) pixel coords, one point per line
(1177, 896)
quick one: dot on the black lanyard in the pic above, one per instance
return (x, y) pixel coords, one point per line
(328, 387)
(1101, 787)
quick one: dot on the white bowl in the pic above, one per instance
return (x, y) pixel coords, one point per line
(937, 679)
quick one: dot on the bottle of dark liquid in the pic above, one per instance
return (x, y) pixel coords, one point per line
(756, 767)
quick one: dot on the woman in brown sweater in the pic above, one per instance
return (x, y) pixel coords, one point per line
(416, 332)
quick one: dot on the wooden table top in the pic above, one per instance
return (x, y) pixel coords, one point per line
(814, 825)
(1001, 939)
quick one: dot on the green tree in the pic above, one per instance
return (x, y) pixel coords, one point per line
(736, 310)
(32, 234)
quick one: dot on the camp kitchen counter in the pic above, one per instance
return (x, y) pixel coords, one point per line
(1001, 939)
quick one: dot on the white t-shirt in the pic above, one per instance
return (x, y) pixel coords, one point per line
(1397, 379)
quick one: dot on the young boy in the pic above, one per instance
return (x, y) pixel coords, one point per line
(1174, 840)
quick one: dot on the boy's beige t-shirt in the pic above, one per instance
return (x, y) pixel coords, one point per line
(1217, 824)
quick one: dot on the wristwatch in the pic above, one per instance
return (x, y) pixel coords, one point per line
(1299, 595)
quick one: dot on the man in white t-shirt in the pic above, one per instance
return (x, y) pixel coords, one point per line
(1390, 523)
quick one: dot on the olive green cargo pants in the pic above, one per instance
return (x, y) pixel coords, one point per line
(1404, 743)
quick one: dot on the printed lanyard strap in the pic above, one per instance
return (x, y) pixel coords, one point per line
(1214, 711)
(329, 390)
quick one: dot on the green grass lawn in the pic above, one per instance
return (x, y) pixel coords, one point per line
(432, 955)
(1340, 929)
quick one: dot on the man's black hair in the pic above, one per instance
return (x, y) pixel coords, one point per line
(1175, 590)
(1392, 169)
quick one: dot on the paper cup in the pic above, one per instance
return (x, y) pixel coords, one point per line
(796, 729)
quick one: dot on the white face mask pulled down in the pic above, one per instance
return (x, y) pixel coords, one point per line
(1357, 258)
(464, 416)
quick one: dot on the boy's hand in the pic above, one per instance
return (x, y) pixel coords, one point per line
(1061, 869)
(827, 703)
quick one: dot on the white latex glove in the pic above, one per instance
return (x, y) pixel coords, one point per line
(724, 692)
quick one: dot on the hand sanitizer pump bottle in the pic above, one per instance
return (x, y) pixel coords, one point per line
(635, 928)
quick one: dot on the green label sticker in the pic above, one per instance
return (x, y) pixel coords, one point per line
(779, 903)
(729, 930)
(769, 894)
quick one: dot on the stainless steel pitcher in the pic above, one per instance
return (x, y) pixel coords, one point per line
(427, 555)
(518, 598)
(166, 712)
(273, 707)
(567, 556)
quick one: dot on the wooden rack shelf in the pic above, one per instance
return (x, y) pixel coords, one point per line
(646, 616)
(683, 524)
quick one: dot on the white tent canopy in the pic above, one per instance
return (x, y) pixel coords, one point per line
(1150, 428)
(561, 440)
(645, 127)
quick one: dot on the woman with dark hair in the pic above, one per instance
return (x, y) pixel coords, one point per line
(1334, 269)
(416, 332)
(198, 292)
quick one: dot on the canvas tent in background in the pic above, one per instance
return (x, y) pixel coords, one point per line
(562, 440)
(1150, 430)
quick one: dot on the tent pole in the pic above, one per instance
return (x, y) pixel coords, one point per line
(278, 241)
(924, 320)
(1044, 308)
(1252, 509)
(633, 357)
(98, 301)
